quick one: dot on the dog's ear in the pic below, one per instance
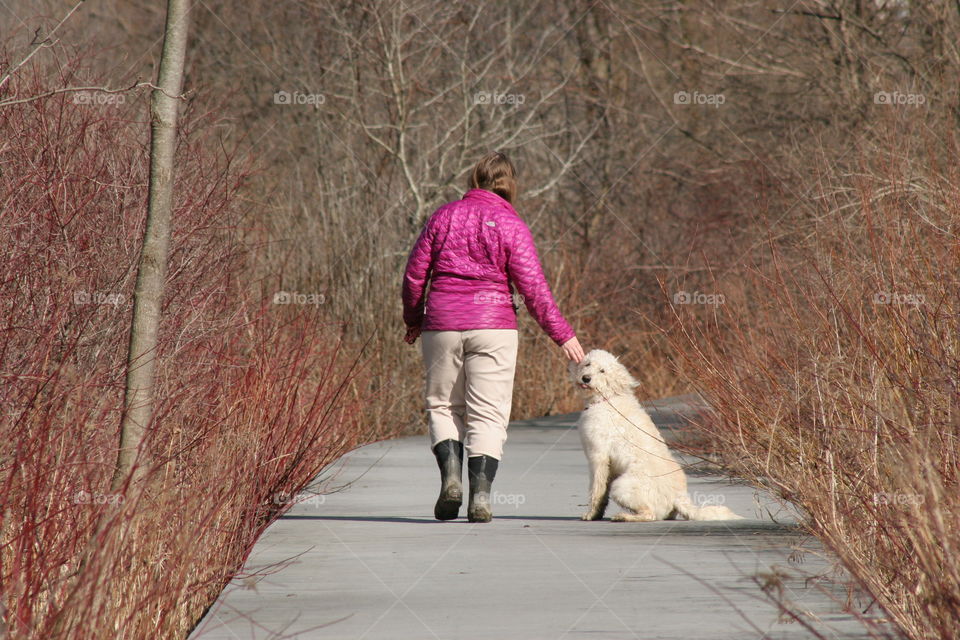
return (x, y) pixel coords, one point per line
(622, 379)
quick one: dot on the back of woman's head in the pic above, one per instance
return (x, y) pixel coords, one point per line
(495, 173)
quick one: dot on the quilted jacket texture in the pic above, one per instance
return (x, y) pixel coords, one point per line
(471, 252)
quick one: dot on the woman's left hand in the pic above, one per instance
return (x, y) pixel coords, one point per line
(412, 334)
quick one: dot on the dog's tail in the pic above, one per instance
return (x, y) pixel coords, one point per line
(690, 511)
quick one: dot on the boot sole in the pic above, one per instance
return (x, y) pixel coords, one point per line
(479, 515)
(447, 507)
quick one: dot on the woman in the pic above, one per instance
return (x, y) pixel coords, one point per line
(473, 252)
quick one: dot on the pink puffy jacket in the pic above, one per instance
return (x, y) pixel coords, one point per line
(471, 251)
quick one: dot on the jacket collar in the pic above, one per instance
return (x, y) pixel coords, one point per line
(488, 196)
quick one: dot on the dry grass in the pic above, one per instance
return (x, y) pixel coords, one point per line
(835, 378)
(252, 396)
(846, 407)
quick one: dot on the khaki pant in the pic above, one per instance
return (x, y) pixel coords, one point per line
(470, 387)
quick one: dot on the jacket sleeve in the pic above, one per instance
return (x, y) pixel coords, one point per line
(525, 272)
(416, 275)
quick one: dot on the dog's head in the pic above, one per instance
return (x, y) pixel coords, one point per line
(600, 375)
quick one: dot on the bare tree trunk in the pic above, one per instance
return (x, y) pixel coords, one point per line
(148, 296)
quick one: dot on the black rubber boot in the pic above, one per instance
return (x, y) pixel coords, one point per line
(482, 470)
(449, 455)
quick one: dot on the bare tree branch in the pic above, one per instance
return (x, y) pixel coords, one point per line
(46, 42)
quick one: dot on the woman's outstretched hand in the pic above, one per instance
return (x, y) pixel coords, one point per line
(572, 349)
(412, 334)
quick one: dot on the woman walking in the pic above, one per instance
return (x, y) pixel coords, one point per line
(473, 252)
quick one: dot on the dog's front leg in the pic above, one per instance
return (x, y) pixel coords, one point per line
(599, 490)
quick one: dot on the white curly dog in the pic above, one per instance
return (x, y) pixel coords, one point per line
(629, 461)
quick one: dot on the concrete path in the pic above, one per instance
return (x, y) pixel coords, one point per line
(369, 561)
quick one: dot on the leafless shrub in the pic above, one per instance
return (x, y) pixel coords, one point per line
(834, 380)
(251, 394)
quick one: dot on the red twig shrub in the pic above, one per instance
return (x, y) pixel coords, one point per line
(834, 370)
(250, 399)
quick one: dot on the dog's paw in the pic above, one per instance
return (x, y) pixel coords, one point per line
(591, 515)
(642, 516)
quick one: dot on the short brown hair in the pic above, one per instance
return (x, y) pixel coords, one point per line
(495, 173)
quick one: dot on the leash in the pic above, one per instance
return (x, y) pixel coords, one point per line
(639, 428)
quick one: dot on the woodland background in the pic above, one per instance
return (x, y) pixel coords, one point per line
(753, 200)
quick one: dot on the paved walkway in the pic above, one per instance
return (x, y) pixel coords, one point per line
(369, 561)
